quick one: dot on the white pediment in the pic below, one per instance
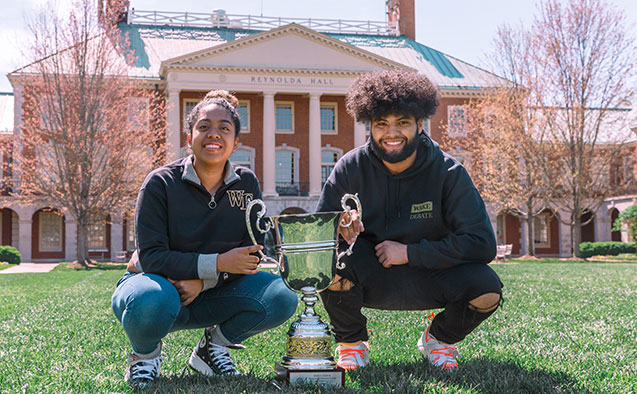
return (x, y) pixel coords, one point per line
(290, 47)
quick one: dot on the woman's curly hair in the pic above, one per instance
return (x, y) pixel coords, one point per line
(392, 92)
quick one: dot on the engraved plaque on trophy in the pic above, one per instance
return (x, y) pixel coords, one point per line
(304, 247)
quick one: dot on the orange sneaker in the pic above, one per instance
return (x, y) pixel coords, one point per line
(353, 356)
(440, 355)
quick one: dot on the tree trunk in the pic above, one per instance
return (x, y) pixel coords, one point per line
(576, 235)
(82, 243)
(530, 236)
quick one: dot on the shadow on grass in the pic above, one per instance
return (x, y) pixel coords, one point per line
(484, 376)
(96, 267)
(481, 376)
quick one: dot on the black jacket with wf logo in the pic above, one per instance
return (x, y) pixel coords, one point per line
(181, 228)
(433, 206)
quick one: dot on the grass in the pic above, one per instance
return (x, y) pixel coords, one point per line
(5, 266)
(564, 328)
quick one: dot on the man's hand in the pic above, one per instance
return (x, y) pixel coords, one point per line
(188, 289)
(391, 253)
(239, 260)
(350, 233)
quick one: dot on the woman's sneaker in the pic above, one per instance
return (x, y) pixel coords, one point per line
(353, 356)
(441, 355)
(142, 371)
(212, 359)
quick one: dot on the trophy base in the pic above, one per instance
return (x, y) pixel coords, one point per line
(329, 377)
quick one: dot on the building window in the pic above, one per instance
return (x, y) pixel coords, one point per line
(138, 113)
(287, 171)
(49, 106)
(328, 118)
(284, 112)
(541, 230)
(628, 166)
(243, 158)
(188, 105)
(426, 126)
(457, 120)
(463, 157)
(97, 236)
(244, 115)
(51, 228)
(329, 157)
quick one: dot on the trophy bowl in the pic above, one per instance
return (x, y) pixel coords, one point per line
(304, 248)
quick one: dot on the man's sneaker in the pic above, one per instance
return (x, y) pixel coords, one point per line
(142, 371)
(212, 359)
(353, 356)
(440, 354)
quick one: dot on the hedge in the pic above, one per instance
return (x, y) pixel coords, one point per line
(10, 254)
(588, 249)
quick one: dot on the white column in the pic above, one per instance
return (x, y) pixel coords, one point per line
(16, 165)
(524, 231)
(117, 234)
(25, 229)
(359, 134)
(315, 145)
(269, 145)
(70, 231)
(173, 127)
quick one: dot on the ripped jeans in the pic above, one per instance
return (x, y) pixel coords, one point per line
(406, 288)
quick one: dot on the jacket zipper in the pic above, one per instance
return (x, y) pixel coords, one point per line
(212, 204)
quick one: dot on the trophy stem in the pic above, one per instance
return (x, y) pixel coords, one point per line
(309, 298)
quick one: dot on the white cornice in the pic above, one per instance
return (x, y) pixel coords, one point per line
(284, 30)
(258, 70)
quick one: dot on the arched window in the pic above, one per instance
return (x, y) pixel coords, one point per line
(243, 156)
(329, 157)
(287, 171)
(50, 231)
(97, 234)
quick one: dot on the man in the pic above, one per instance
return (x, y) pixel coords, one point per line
(424, 240)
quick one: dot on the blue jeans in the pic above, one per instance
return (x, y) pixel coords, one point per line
(148, 307)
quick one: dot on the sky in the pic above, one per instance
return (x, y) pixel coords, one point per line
(461, 28)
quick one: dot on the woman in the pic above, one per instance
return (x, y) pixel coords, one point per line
(196, 266)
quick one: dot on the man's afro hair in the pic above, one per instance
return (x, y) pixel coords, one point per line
(392, 92)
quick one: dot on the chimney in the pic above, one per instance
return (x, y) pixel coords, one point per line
(401, 14)
(115, 11)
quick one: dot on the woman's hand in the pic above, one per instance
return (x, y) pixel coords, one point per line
(188, 289)
(356, 227)
(239, 260)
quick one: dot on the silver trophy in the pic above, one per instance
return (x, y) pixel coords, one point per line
(304, 247)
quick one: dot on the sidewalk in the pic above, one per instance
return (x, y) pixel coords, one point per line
(23, 268)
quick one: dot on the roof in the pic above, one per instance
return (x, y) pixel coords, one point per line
(6, 113)
(154, 44)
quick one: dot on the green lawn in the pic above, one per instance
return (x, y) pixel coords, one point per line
(564, 328)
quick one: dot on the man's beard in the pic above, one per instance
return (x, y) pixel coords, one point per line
(397, 156)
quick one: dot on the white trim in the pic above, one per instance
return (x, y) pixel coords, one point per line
(283, 131)
(333, 105)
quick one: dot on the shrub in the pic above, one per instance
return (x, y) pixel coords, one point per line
(10, 254)
(588, 249)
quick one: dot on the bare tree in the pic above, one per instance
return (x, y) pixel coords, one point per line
(90, 133)
(550, 136)
(585, 60)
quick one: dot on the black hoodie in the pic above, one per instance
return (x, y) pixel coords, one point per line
(433, 206)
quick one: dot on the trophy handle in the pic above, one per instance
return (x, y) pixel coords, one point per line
(268, 226)
(346, 208)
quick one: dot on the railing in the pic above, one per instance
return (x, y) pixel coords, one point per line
(218, 18)
(293, 189)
